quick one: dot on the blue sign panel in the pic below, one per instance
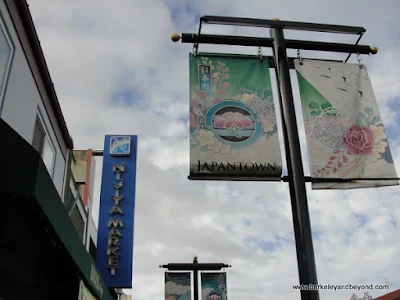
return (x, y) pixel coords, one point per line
(117, 207)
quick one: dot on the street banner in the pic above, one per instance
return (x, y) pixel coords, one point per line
(213, 286)
(233, 127)
(345, 135)
(177, 286)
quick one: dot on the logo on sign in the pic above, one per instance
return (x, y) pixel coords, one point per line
(205, 82)
(234, 123)
(120, 146)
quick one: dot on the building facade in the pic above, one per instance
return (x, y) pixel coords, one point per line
(47, 226)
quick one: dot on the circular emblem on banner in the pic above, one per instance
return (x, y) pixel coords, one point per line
(234, 123)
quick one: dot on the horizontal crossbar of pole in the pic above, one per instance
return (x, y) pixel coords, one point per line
(271, 61)
(218, 20)
(333, 180)
(268, 42)
(194, 267)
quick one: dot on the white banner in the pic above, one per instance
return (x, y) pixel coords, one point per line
(346, 138)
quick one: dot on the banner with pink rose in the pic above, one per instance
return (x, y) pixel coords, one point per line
(345, 135)
(233, 126)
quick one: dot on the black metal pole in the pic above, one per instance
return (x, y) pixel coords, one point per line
(301, 217)
(195, 280)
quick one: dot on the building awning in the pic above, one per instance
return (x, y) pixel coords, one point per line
(25, 178)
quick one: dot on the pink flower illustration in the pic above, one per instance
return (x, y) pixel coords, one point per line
(228, 119)
(193, 122)
(216, 100)
(225, 85)
(194, 103)
(359, 140)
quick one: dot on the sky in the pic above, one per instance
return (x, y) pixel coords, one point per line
(116, 71)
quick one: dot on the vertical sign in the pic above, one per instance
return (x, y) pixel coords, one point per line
(344, 129)
(177, 286)
(233, 125)
(117, 206)
(213, 286)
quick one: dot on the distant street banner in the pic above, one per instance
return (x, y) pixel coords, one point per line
(213, 286)
(233, 127)
(177, 286)
(345, 134)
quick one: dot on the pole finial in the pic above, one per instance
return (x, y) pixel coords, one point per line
(276, 19)
(195, 257)
(374, 49)
(175, 37)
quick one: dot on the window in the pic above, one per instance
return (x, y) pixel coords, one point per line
(42, 143)
(69, 200)
(78, 222)
(92, 249)
(6, 56)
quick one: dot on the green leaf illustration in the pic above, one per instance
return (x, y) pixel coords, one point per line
(315, 113)
(369, 111)
(266, 94)
(325, 106)
(375, 119)
(387, 156)
(313, 105)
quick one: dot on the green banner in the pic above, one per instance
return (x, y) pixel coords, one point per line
(345, 134)
(233, 126)
(213, 286)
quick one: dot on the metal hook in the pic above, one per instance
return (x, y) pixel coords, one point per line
(299, 56)
(195, 47)
(260, 54)
(359, 58)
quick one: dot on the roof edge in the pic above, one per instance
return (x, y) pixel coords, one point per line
(27, 21)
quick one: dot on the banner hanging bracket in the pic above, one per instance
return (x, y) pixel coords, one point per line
(260, 55)
(196, 44)
(359, 58)
(355, 45)
(299, 57)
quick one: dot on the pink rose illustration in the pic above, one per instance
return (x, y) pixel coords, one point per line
(229, 119)
(358, 140)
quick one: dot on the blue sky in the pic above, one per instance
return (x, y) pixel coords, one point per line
(116, 70)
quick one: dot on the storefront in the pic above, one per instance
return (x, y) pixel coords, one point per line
(41, 254)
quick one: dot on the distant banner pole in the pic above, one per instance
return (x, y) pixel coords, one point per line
(195, 280)
(196, 267)
(301, 217)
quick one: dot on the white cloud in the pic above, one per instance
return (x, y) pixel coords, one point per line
(97, 48)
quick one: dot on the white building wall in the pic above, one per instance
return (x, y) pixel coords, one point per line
(22, 102)
(92, 229)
